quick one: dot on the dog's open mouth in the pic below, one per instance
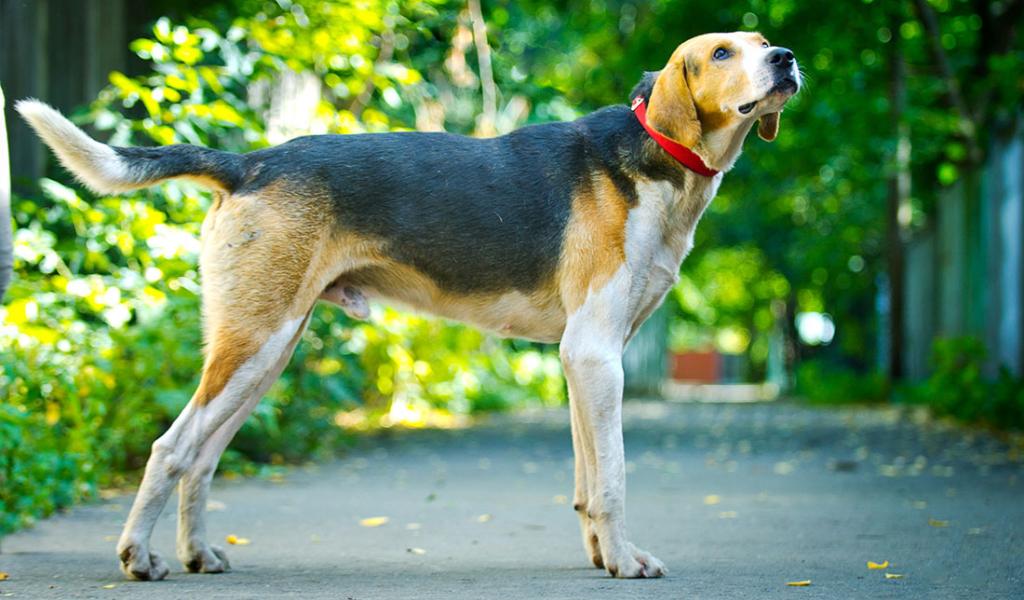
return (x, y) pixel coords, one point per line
(786, 85)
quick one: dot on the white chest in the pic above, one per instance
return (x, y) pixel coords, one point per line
(659, 235)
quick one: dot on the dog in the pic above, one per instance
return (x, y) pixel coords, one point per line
(562, 232)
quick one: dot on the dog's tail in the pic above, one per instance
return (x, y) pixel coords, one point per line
(112, 169)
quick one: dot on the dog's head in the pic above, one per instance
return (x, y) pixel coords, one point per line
(720, 80)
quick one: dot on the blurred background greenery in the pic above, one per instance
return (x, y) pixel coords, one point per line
(872, 253)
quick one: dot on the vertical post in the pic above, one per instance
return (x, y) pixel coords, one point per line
(6, 232)
(897, 211)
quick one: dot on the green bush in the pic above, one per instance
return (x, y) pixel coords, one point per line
(820, 382)
(959, 388)
(101, 335)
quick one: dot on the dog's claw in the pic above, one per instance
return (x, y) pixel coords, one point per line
(209, 559)
(594, 548)
(637, 565)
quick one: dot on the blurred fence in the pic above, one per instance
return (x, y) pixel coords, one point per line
(964, 275)
(645, 361)
(62, 51)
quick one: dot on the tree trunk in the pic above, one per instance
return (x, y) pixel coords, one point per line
(6, 233)
(897, 212)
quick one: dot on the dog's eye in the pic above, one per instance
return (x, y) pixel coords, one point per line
(721, 54)
(764, 44)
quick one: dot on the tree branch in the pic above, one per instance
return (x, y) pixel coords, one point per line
(483, 54)
(997, 36)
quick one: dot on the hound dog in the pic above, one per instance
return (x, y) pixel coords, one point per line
(562, 232)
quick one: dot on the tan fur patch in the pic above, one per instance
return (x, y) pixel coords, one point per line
(265, 259)
(204, 180)
(671, 110)
(595, 238)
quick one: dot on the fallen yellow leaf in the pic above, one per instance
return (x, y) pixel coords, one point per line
(483, 518)
(783, 468)
(893, 576)
(804, 583)
(712, 499)
(417, 551)
(234, 540)
(881, 565)
(373, 521)
(214, 505)
(938, 523)
(110, 586)
(4, 576)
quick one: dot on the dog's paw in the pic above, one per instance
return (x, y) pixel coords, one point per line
(206, 559)
(141, 564)
(635, 564)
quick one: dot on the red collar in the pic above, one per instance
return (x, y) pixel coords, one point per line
(688, 158)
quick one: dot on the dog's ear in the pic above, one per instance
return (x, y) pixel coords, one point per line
(670, 109)
(768, 127)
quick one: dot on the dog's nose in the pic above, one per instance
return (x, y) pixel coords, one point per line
(781, 58)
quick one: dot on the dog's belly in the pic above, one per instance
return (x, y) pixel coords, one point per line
(537, 316)
(509, 315)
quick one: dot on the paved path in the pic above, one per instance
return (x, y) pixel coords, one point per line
(736, 500)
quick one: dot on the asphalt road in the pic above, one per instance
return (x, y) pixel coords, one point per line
(737, 500)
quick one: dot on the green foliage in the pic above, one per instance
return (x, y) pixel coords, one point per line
(812, 202)
(822, 382)
(725, 297)
(958, 386)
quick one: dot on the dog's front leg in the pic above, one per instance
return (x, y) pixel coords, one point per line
(591, 352)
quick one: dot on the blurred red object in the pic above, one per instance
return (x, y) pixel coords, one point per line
(703, 366)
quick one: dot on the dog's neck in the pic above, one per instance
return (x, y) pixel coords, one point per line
(720, 148)
(693, 192)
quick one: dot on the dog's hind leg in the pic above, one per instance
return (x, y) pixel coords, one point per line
(191, 439)
(261, 273)
(193, 550)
